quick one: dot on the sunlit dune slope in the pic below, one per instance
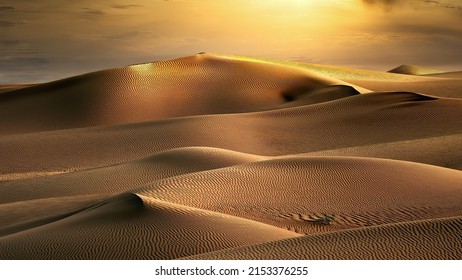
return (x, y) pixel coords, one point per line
(442, 84)
(196, 85)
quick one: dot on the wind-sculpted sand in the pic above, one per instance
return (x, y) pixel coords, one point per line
(229, 157)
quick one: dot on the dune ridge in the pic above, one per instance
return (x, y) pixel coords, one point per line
(231, 157)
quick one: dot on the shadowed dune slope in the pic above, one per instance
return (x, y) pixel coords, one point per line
(11, 87)
(358, 120)
(287, 192)
(130, 226)
(432, 239)
(27, 214)
(197, 85)
(321, 95)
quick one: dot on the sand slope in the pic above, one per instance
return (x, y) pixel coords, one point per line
(431, 239)
(337, 124)
(214, 156)
(197, 85)
(414, 70)
(115, 179)
(358, 191)
(131, 227)
(441, 84)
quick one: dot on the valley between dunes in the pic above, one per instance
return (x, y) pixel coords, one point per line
(231, 157)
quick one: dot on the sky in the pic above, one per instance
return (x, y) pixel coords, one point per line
(52, 39)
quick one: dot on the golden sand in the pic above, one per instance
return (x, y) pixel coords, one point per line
(228, 157)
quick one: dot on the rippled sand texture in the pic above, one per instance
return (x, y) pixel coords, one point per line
(228, 157)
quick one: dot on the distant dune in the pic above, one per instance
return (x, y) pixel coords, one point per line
(231, 157)
(414, 70)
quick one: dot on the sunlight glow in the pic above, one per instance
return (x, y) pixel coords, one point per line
(289, 2)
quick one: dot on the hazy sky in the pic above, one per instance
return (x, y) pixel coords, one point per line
(51, 39)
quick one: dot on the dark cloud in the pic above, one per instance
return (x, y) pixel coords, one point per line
(387, 5)
(384, 2)
(6, 8)
(126, 6)
(430, 31)
(129, 35)
(390, 4)
(11, 9)
(6, 23)
(23, 66)
(90, 11)
(9, 42)
(22, 62)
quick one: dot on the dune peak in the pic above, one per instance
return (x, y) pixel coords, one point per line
(414, 70)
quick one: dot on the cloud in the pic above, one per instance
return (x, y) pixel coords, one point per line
(430, 31)
(390, 4)
(5, 23)
(6, 8)
(23, 69)
(11, 9)
(22, 62)
(126, 6)
(90, 11)
(382, 2)
(9, 42)
(385, 4)
(129, 35)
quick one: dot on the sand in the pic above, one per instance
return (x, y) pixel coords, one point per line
(230, 157)
(414, 70)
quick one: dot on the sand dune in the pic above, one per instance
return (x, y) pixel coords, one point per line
(445, 151)
(440, 87)
(345, 122)
(414, 70)
(123, 177)
(197, 85)
(11, 87)
(431, 239)
(455, 75)
(358, 191)
(431, 84)
(214, 156)
(133, 227)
